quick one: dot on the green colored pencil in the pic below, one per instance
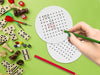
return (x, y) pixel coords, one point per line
(90, 39)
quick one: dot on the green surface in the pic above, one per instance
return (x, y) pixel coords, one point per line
(80, 10)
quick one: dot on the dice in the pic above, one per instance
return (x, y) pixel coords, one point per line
(23, 16)
(21, 3)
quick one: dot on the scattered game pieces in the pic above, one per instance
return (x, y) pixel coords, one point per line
(20, 62)
(15, 7)
(4, 9)
(10, 31)
(25, 54)
(21, 3)
(16, 42)
(3, 39)
(23, 16)
(20, 12)
(3, 53)
(7, 47)
(11, 1)
(18, 72)
(2, 24)
(13, 57)
(1, 2)
(24, 35)
(49, 23)
(53, 64)
(24, 45)
(21, 43)
(12, 69)
(29, 46)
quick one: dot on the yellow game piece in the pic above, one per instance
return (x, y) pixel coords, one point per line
(21, 43)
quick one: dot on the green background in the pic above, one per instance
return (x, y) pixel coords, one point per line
(80, 10)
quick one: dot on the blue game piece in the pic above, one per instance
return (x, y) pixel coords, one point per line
(15, 46)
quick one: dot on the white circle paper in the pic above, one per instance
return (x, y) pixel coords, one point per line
(49, 23)
(63, 52)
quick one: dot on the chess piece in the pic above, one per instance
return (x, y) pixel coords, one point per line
(13, 57)
(1, 74)
(3, 53)
(20, 12)
(7, 47)
(15, 7)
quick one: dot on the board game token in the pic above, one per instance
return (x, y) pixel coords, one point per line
(21, 3)
(20, 62)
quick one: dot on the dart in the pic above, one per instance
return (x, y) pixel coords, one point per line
(10, 19)
(9, 14)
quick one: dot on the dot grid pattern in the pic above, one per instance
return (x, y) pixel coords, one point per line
(63, 52)
(49, 23)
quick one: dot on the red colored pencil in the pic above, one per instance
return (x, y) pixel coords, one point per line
(60, 67)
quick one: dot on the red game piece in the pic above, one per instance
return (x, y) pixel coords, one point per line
(23, 16)
(11, 1)
(21, 3)
(16, 42)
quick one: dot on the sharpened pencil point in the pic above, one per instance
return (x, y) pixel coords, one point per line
(62, 30)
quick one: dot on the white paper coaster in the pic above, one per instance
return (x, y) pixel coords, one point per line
(49, 23)
(63, 52)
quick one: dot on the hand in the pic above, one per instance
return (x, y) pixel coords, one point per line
(88, 48)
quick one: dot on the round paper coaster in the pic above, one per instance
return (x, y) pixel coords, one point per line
(49, 23)
(63, 52)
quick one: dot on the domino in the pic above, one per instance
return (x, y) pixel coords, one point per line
(5, 64)
(7, 8)
(9, 28)
(4, 9)
(2, 24)
(12, 68)
(12, 35)
(25, 54)
(3, 38)
(24, 35)
(10, 31)
(18, 72)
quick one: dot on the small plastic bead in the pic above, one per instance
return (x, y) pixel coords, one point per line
(25, 45)
(15, 46)
(16, 42)
(21, 43)
(21, 3)
(29, 46)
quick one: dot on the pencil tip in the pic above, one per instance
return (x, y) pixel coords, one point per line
(62, 30)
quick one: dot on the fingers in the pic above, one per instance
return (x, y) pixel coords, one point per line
(75, 41)
(84, 47)
(81, 26)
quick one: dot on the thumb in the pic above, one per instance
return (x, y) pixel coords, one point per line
(75, 41)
